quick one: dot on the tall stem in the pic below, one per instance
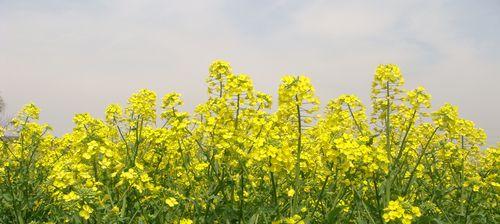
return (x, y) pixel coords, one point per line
(388, 144)
(242, 166)
(410, 181)
(297, 159)
(388, 122)
(354, 119)
(274, 194)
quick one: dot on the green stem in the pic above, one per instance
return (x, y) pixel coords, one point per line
(320, 196)
(354, 119)
(403, 143)
(388, 145)
(274, 195)
(410, 181)
(297, 159)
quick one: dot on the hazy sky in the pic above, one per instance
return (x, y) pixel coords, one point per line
(70, 56)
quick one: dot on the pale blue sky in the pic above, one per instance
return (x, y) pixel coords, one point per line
(72, 56)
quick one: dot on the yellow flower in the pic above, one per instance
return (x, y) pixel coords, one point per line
(145, 177)
(130, 174)
(171, 100)
(400, 210)
(416, 211)
(419, 97)
(219, 69)
(186, 221)
(85, 212)
(71, 196)
(291, 192)
(113, 113)
(31, 111)
(201, 166)
(86, 155)
(171, 202)
(406, 219)
(115, 209)
(475, 188)
(142, 105)
(388, 73)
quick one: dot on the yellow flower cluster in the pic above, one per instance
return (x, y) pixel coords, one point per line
(142, 105)
(400, 210)
(235, 160)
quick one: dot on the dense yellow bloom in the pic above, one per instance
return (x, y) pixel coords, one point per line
(297, 90)
(236, 160)
(143, 105)
(130, 174)
(219, 69)
(418, 97)
(113, 113)
(388, 73)
(32, 111)
(400, 210)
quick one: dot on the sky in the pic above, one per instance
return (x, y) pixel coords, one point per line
(70, 56)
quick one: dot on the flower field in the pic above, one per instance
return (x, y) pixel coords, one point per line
(237, 160)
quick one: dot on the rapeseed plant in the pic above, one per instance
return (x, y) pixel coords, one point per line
(234, 160)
